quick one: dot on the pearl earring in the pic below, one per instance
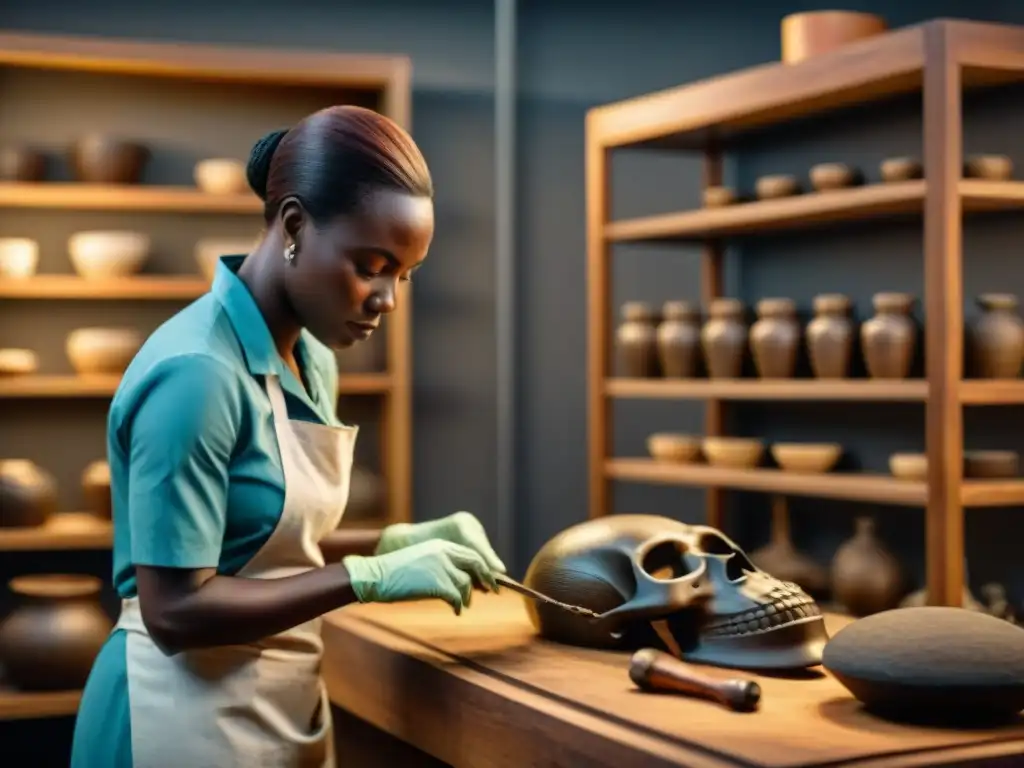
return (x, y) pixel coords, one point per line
(289, 252)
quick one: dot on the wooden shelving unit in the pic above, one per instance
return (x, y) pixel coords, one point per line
(937, 59)
(382, 82)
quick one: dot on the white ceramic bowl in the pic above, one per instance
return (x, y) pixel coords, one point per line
(208, 251)
(220, 176)
(105, 254)
(19, 257)
(18, 362)
(102, 350)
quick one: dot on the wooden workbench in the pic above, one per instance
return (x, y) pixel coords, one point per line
(482, 691)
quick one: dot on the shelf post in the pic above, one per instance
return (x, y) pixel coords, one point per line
(943, 306)
(598, 316)
(711, 267)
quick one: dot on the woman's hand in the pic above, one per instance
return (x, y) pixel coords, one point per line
(459, 528)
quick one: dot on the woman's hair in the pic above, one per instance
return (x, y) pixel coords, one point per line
(332, 158)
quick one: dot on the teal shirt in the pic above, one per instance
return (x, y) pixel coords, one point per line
(195, 470)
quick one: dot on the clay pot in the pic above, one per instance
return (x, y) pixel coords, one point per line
(775, 339)
(989, 167)
(96, 490)
(829, 176)
(98, 255)
(996, 338)
(723, 339)
(50, 641)
(812, 33)
(365, 495)
(776, 185)
(830, 337)
(636, 341)
(889, 338)
(18, 362)
(19, 257)
(28, 494)
(99, 159)
(781, 559)
(102, 350)
(221, 176)
(679, 340)
(20, 163)
(901, 169)
(866, 577)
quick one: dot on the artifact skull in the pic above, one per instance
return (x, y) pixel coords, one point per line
(646, 574)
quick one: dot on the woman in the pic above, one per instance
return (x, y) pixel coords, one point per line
(228, 466)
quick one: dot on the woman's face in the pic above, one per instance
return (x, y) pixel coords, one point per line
(348, 274)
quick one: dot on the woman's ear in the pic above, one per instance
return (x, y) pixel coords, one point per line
(293, 220)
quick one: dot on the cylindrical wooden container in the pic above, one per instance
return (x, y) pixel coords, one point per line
(815, 32)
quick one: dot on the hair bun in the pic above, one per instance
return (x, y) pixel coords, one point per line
(258, 169)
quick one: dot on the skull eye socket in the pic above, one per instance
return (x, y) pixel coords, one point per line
(737, 565)
(667, 560)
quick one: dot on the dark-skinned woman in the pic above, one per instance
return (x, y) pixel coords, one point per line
(229, 465)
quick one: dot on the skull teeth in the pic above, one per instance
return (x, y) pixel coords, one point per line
(787, 604)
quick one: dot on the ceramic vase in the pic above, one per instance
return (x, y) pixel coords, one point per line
(679, 340)
(775, 339)
(28, 494)
(637, 341)
(830, 337)
(996, 338)
(866, 577)
(781, 559)
(724, 339)
(889, 339)
(51, 638)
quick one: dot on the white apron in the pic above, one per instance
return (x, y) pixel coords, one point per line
(260, 705)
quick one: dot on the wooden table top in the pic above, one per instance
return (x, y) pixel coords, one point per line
(483, 690)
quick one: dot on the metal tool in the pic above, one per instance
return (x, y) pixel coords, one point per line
(522, 589)
(653, 670)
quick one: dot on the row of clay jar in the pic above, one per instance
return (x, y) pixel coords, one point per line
(675, 344)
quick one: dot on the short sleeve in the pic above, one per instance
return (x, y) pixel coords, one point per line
(181, 437)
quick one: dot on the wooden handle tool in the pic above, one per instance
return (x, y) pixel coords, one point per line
(654, 670)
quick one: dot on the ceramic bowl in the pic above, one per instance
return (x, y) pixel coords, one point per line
(806, 458)
(209, 250)
(989, 167)
(777, 185)
(733, 452)
(107, 254)
(828, 176)
(96, 489)
(21, 163)
(670, 446)
(19, 257)
(717, 197)
(18, 362)
(990, 465)
(909, 466)
(102, 159)
(221, 176)
(102, 350)
(901, 169)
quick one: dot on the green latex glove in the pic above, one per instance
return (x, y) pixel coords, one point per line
(461, 528)
(431, 569)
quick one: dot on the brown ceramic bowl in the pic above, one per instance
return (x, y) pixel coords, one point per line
(733, 452)
(718, 197)
(989, 167)
(99, 159)
(19, 163)
(909, 466)
(671, 446)
(827, 176)
(806, 458)
(990, 465)
(777, 185)
(901, 169)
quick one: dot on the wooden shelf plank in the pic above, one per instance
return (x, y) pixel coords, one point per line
(16, 705)
(992, 493)
(169, 287)
(105, 386)
(65, 531)
(880, 489)
(123, 197)
(768, 389)
(992, 392)
(814, 208)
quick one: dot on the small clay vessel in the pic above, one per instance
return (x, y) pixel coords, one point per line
(50, 640)
(637, 341)
(679, 340)
(28, 494)
(889, 339)
(781, 559)
(96, 490)
(996, 338)
(775, 339)
(723, 339)
(866, 577)
(21, 163)
(830, 337)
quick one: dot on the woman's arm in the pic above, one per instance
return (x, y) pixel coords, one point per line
(194, 608)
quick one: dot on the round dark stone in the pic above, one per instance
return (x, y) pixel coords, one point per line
(950, 666)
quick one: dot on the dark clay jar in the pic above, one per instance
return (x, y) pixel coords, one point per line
(889, 339)
(679, 340)
(996, 338)
(775, 339)
(636, 341)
